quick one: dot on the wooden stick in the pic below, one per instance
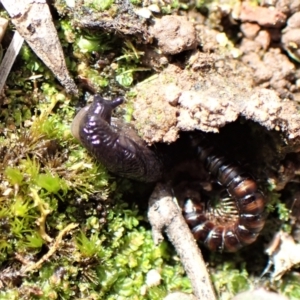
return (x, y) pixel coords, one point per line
(165, 215)
(9, 58)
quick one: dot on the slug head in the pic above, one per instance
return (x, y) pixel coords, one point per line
(100, 108)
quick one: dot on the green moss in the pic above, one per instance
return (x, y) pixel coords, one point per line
(14, 175)
(135, 256)
(9, 295)
(90, 44)
(88, 246)
(229, 281)
(290, 286)
(136, 2)
(99, 5)
(87, 42)
(34, 240)
(128, 64)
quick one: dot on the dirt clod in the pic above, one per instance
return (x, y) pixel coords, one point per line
(207, 98)
(174, 34)
(264, 16)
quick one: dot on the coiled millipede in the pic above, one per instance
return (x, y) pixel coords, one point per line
(240, 225)
(117, 146)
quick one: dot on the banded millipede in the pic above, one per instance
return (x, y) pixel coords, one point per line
(214, 227)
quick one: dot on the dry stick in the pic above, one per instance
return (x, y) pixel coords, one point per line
(33, 21)
(9, 58)
(34, 266)
(164, 214)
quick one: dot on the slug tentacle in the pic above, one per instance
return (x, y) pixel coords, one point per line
(115, 145)
(240, 214)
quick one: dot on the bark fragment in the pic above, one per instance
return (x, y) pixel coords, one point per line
(283, 253)
(34, 23)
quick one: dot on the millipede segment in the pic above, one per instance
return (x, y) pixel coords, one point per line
(226, 233)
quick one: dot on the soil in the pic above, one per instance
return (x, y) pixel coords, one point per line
(205, 91)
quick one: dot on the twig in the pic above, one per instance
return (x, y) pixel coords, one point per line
(53, 248)
(164, 214)
(9, 58)
(45, 211)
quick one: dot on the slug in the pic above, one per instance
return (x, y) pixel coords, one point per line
(115, 144)
(240, 216)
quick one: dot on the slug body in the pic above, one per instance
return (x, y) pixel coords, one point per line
(115, 145)
(239, 219)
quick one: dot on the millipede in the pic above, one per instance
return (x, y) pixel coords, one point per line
(241, 214)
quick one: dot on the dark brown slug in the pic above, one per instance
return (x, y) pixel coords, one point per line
(114, 144)
(239, 219)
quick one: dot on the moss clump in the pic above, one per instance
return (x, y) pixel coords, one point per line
(229, 281)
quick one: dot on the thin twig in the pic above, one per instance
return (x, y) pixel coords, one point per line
(9, 58)
(52, 250)
(45, 211)
(165, 215)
